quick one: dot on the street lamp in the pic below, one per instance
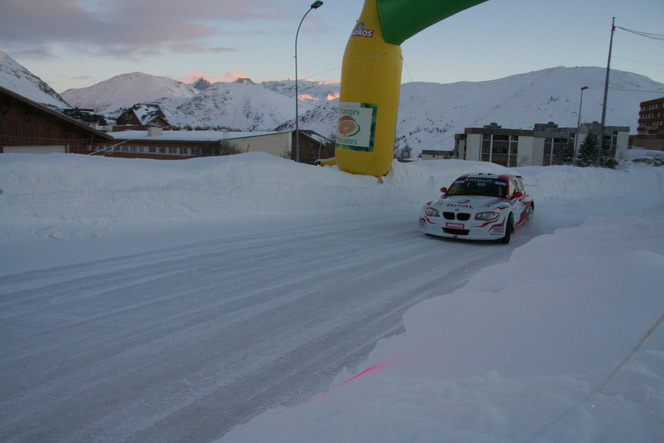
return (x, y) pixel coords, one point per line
(315, 5)
(578, 127)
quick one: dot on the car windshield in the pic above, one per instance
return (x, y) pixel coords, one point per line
(489, 187)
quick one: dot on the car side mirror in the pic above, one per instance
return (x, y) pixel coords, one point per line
(517, 194)
(443, 190)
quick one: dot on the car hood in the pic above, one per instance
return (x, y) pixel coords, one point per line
(471, 202)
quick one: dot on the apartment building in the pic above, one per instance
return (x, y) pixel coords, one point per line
(546, 144)
(651, 126)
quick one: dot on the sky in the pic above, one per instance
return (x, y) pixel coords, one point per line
(78, 43)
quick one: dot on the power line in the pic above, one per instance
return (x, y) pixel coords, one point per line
(643, 34)
(639, 61)
(636, 90)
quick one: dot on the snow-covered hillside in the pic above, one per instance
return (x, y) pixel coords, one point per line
(126, 90)
(436, 112)
(17, 79)
(429, 113)
(308, 90)
(145, 300)
(239, 105)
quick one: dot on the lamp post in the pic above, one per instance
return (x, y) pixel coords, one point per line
(315, 5)
(578, 128)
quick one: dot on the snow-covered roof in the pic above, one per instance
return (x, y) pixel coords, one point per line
(208, 135)
(316, 136)
(146, 113)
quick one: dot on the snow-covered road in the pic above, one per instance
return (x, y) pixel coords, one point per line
(186, 342)
(118, 328)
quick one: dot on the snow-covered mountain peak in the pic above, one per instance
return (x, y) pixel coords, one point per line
(201, 84)
(308, 90)
(17, 79)
(239, 105)
(125, 90)
(245, 80)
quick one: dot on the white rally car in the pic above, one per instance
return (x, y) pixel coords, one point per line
(479, 207)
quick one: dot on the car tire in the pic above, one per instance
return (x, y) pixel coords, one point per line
(509, 228)
(531, 213)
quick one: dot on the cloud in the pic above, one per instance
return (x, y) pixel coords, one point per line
(131, 28)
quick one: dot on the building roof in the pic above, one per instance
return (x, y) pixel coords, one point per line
(206, 135)
(147, 113)
(55, 113)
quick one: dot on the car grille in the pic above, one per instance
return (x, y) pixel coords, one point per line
(452, 231)
(463, 216)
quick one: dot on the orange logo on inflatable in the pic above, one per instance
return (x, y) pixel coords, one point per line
(348, 126)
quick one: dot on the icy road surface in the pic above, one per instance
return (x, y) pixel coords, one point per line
(186, 342)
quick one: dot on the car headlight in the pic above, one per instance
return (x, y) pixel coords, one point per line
(432, 212)
(487, 216)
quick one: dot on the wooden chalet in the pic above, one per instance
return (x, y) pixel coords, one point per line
(30, 127)
(142, 116)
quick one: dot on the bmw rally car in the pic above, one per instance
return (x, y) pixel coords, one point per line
(479, 207)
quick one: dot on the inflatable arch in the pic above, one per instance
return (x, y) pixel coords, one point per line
(371, 79)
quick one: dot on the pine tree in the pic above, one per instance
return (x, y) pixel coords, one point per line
(587, 151)
(565, 155)
(403, 153)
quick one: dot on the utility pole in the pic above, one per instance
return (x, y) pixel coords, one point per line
(606, 92)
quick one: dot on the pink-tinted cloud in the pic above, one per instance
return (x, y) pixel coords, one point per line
(128, 28)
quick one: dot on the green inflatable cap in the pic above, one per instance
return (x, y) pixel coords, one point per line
(401, 19)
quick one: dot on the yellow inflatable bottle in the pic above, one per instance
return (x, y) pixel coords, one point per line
(371, 79)
(369, 98)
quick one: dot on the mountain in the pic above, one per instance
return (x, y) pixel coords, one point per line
(308, 90)
(429, 113)
(201, 84)
(126, 90)
(241, 105)
(17, 79)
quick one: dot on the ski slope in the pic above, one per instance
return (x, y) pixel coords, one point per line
(231, 297)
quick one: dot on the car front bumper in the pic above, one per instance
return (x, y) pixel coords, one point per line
(470, 230)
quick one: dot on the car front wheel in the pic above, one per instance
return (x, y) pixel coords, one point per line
(509, 227)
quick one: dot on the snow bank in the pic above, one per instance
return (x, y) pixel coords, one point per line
(518, 354)
(104, 207)
(62, 196)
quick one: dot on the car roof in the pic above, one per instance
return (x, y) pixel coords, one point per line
(505, 177)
